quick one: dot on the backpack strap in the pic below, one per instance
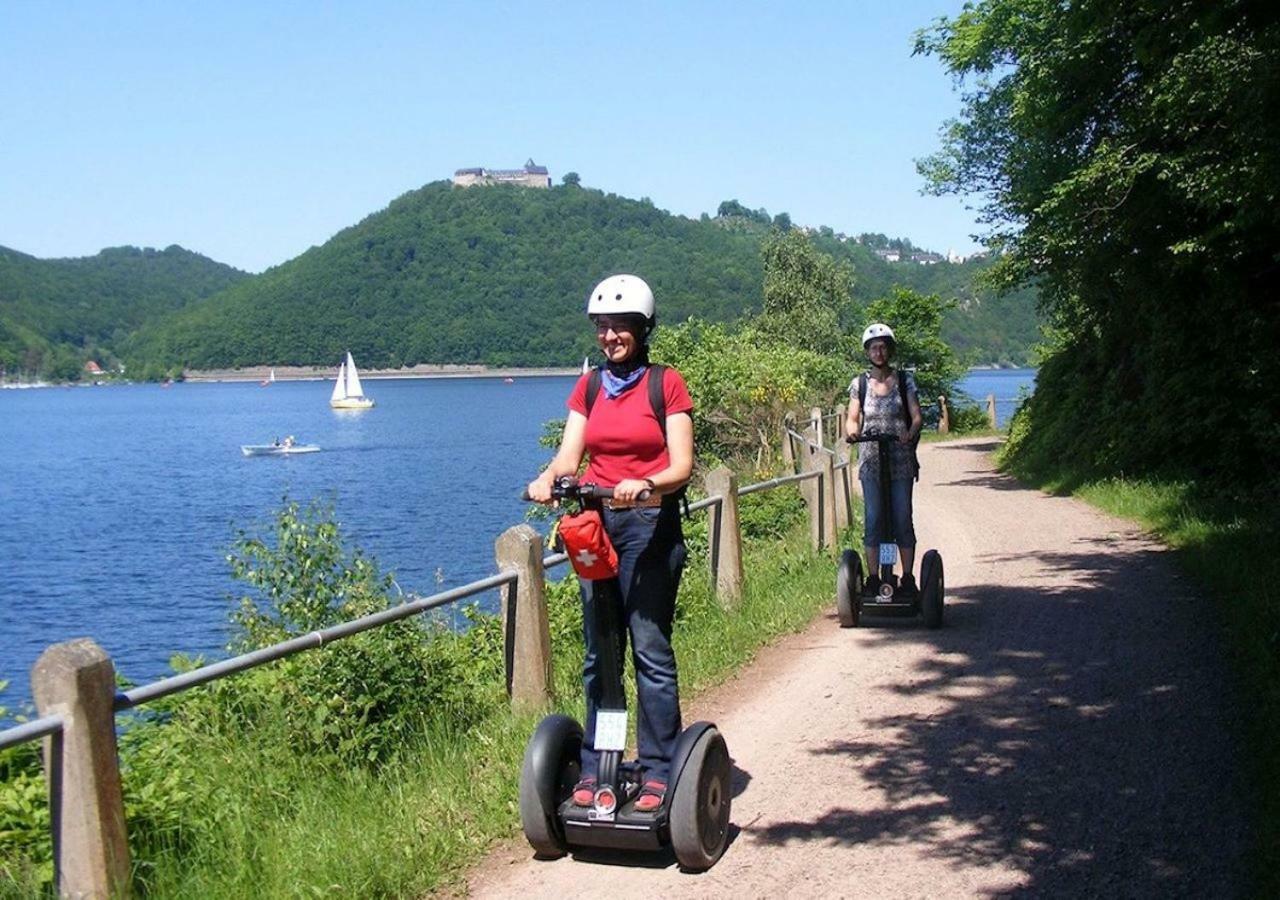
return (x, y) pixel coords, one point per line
(862, 389)
(658, 396)
(906, 414)
(902, 390)
(593, 388)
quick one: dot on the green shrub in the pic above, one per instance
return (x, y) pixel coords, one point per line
(26, 854)
(969, 419)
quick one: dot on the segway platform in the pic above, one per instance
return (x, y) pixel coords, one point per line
(626, 829)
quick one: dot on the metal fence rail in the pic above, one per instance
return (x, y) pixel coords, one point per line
(30, 731)
(777, 482)
(255, 658)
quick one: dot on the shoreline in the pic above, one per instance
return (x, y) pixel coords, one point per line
(328, 373)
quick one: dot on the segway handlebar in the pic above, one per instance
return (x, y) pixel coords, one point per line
(868, 438)
(567, 487)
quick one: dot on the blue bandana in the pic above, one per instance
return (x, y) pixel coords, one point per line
(616, 384)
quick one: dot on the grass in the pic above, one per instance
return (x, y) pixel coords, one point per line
(219, 808)
(1228, 545)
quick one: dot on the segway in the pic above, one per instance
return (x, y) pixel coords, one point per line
(850, 602)
(693, 819)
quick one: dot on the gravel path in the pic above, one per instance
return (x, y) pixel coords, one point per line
(1063, 734)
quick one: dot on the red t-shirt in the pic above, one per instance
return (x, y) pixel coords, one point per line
(624, 439)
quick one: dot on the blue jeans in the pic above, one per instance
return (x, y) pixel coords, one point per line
(903, 529)
(651, 556)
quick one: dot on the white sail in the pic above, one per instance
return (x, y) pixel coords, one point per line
(273, 375)
(586, 365)
(340, 386)
(353, 379)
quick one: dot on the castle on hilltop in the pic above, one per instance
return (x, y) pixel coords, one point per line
(532, 175)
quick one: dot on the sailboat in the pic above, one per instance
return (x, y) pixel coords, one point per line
(347, 393)
(267, 382)
(586, 365)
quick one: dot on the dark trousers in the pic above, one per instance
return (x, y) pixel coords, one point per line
(651, 556)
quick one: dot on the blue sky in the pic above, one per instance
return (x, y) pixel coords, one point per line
(251, 131)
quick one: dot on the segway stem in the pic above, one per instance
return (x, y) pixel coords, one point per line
(886, 496)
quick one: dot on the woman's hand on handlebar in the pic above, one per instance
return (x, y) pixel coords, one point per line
(629, 490)
(539, 490)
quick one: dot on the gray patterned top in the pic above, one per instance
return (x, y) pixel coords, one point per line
(883, 415)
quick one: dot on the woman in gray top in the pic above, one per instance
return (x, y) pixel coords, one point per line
(878, 409)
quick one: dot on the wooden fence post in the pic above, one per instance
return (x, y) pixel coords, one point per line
(726, 536)
(815, 426)
(813, 497)
(524, 618)
(944, 416)
(991, 409)
(76, 680)
(844, 510)
(829, 497)
(788, 444)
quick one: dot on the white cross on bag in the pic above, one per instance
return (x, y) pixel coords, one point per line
(587, 558)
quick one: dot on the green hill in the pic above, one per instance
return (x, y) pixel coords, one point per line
(498, 275)
(492, 275)
(56, 313)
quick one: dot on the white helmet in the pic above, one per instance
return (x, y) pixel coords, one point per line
(878, 330)
(621, 294)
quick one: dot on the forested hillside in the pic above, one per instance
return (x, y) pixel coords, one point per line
(492, 275)
(498, 275)
(56, 313)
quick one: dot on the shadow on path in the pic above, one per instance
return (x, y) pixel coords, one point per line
(1082, 738)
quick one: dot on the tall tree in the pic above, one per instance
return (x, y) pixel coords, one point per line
(804, 291)
(1128, 163)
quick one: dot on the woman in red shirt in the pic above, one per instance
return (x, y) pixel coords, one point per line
(628, 449)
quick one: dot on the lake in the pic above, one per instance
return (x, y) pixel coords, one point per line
(121, 502)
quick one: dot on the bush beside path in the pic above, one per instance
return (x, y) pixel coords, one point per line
(1068, 731)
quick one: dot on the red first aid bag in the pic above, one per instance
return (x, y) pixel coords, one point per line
(589, 548)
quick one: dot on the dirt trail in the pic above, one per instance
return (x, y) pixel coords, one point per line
(1064, 733)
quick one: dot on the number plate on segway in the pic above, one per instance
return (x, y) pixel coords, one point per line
(611, 729)
(888, 554)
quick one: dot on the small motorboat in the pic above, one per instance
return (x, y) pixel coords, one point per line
(287, 447)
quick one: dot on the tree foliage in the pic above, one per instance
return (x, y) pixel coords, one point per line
(1128, 161)
(56, 314)
(742, 382)
(804, 291)
(796, 353)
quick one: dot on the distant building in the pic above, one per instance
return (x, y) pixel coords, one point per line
(532, 175)
(925, 258)
(93, 368)
(888, 255)
(954, 257)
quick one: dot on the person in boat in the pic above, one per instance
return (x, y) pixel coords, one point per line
(288, 441)
(876, 404)
(646, 461)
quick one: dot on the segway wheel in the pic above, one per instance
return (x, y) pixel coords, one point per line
(547, 776)
(848, 589)
(700, 804)
(932, 589)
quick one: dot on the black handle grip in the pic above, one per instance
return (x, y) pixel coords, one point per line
(569, 488)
